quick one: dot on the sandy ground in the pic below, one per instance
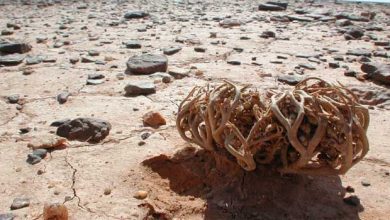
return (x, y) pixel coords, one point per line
(79, 175)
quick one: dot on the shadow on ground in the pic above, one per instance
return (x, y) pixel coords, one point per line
(232, 193)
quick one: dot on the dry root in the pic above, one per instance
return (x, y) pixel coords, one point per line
(317, 128)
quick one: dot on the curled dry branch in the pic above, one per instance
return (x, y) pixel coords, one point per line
(317, 128)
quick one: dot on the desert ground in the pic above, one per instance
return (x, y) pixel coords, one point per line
(70, 59)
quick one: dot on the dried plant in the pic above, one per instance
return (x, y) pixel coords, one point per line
(317, 128)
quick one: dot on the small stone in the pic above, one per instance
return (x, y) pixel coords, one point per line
(353, 33)
(55, 211)
(307, 66)
(233, 62)
(171, 50)
(95, 81)
(32, 60)
(8, 48)
(6, 32)
(12, 59)
(25, 130)
(334, 65)
(19, 203)
(270, 7)
(153, 119)
(145, 135)
(41, 39)
(289, 79)
(107, 191)
(40, 153)
(93, 53)
(365, 183)
(351, 73)
(228, 22)
(133, 44)
(352, 200)
(140, 88)
(96, 76)
(74, 60)
(200, 49)
(91, 130)
(28, 71)
(33, 159)
(13, 99)
(135, 14)
(360, 52)
(63, 97)
(178, 73)
(268, 34)
(377, 71)
(141, 143)
(141, 194)
(85, 59)
(120, 76)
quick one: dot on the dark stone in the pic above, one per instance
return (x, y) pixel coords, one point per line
(299, 18)
(355, 33)
(343, 22)
(381, 53)
(12, 59)
(268, 34)
(85, 129)
(270, 7)
(133, 44)
(289, 79)
(365, 183)
(200, 49)
(140, 88)
(13, 99)
(32, 60)
(93, 53)
(377, 72)
(171, 50)
(135, 14)
(281, 4)
(351, 73)
(147, 64)
(24, 130)
(338, 58)
(40, 153)
(382, 43)
(145, 135)
(7, 216)
(334, 65)
(19, 203)
(234, 62)
(63, 97)
(85, 59)
(6, 32)
(352, 200)
(59, 122)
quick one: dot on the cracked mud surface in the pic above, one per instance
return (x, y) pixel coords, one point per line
(177, 188)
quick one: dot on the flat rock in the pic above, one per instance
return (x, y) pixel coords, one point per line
(289, 79)
(147, 64)
(12, 59)
(140, 88)
(19, 203)
(171, 50)
(85, 129)
(270, 7)
(63, 97)
(178, 73)
(228, 22)
(9, 48)
(299, 18)
(132, 44)
(153, 119)
(135, 14)
(360, 52)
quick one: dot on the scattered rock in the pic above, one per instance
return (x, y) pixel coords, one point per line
(359, 52)
(107, 191)
(228, 22)
(19, 203)
(343, 22)
(85, 59)
(351, 73)
(140, 88)
(93, 53)
(178, 73)
(94, 81)
(47, 142)
(268, 34)
(334, 65)
(36, 156)
(307, 66)
(6, 32)
(200, 49)
(353, 34)
(55, 211)
(365, 183)
(153, 119)
(85, 129)
(32, 60)
(147, 64)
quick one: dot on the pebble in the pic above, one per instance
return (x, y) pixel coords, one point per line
(20, 48)
(133, 44)
(12, 59)
(178, 73)
(13, 99)
(153, 119)
(147, 64)
(200, 49)
(365, 183)
(63, 97)
(19, 203)
(171, 50)
(141, 194)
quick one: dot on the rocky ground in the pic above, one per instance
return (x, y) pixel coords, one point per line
(95, 85)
